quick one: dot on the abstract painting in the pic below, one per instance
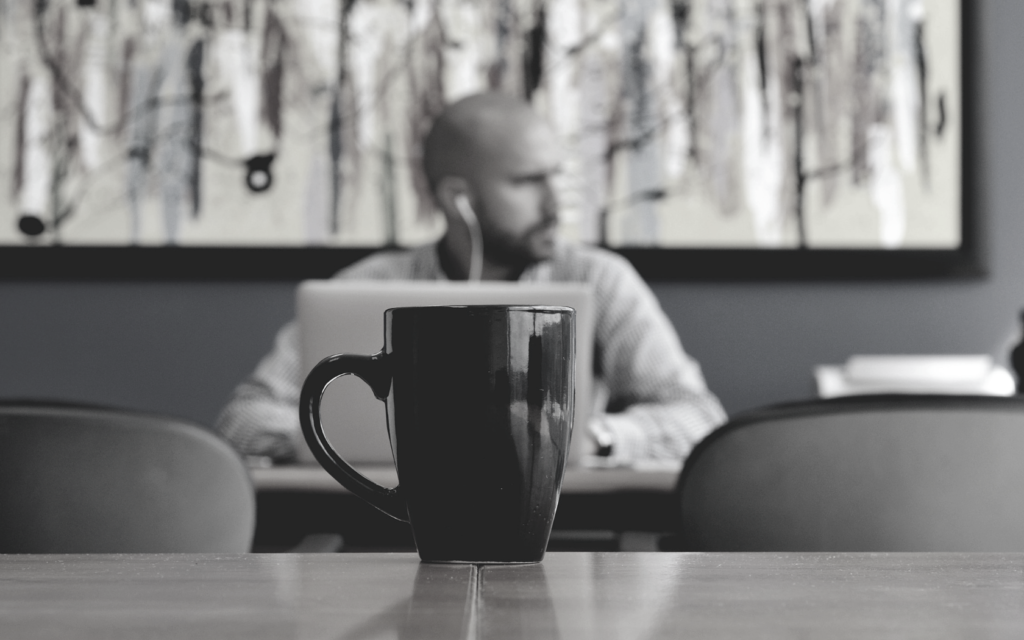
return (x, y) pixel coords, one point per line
(743, 124)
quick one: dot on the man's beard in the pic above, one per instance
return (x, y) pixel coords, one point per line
(537, 244)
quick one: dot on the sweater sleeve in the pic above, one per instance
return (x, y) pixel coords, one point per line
(262, 415)
(262, 418)
(659, 406)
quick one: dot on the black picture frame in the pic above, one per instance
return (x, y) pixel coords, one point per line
(141, 263)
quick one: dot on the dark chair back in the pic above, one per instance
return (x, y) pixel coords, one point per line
(77, 479)
(884, 473)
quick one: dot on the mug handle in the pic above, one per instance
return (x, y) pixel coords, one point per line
(374, 371)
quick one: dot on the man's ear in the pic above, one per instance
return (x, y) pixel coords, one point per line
(447, 191)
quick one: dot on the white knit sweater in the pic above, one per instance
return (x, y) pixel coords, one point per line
(658, 404)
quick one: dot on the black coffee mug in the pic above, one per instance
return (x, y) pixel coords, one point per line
(479, 412)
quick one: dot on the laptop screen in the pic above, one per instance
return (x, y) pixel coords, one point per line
(339, 316)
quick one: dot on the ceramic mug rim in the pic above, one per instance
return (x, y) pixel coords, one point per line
(486, 308)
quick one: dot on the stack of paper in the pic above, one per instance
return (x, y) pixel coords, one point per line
(957, 374)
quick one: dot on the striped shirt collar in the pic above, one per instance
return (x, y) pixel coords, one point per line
(427, 266)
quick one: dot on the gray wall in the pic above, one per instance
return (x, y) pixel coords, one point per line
(180, 347)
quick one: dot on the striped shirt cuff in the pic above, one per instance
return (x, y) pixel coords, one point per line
(628, 440)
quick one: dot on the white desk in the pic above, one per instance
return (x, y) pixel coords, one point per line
(596, 507)
(577, 481)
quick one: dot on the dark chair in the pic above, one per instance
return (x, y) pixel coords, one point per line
(79, 479)
(880, 473)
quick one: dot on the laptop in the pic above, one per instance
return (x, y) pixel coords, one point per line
(338, 316)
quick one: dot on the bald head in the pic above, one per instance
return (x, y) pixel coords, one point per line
(489, 157)
(482, 128)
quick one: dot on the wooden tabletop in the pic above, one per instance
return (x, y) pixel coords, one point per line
(569, 595)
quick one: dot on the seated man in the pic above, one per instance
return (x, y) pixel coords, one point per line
(490, 161)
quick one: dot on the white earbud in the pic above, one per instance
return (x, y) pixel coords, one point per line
(476, 239)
